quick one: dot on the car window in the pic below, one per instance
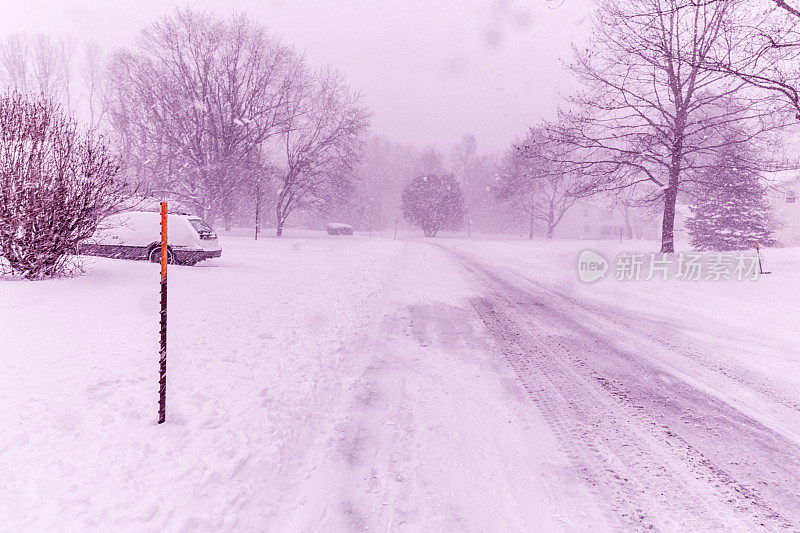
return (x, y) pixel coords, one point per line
(200, 226)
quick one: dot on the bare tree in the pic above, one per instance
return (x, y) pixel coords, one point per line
(653, 110)
(462, 157)
(195, 99)
(765, 48)
(37, 65)
(372, 195)
(56, 185)
(66, 47)
(536, 176)
(321, 144)
(47, 70)
(382, 172)
(260, 191)
(94, 82)
(430, 161)
(477, 174)
(14, 57)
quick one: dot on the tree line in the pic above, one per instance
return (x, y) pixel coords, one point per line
(679, 101)
(669, 91)
(213, 113)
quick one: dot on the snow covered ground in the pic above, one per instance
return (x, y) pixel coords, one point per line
(256, 341)
(345, 383)
(744, 329)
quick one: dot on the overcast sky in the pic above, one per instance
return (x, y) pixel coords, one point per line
(430, 70)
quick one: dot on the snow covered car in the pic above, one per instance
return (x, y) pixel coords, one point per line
(340, 229)
(137, 235)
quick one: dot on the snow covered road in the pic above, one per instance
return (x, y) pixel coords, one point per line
(655, 450)
(437, 433)
(614, 420)
(324, 384)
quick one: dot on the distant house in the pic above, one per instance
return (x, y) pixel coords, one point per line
(783, 199)
(595, 219)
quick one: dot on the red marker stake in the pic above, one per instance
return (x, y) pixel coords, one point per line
(758, 253)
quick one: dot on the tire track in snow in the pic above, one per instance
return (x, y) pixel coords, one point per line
(673, 342)
(607, 459)
(643, 451)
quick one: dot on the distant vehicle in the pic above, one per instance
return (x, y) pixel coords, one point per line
(340, 229)
(137, 235)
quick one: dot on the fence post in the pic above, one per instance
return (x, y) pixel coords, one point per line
(162, 372)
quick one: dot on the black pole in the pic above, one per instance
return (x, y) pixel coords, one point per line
(758, 253)
(162, 361)
(162, 371)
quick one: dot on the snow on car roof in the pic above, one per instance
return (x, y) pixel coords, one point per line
(158, 211)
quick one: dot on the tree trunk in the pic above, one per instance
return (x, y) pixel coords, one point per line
(551, 225)
(671, 193)
(668, 222)
(530, 226)
(551, 218)
(628, 226)
(281, 220)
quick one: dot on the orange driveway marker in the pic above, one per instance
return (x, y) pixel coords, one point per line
(162, 363)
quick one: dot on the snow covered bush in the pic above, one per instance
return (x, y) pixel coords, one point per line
(729, 211)
(56, 184)
(434, 202)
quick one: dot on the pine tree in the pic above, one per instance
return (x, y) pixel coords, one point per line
(730, 212)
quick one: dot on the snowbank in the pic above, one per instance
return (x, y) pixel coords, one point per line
(254, 363)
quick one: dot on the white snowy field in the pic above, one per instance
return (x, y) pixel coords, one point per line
(268, 347)
(333, 384)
